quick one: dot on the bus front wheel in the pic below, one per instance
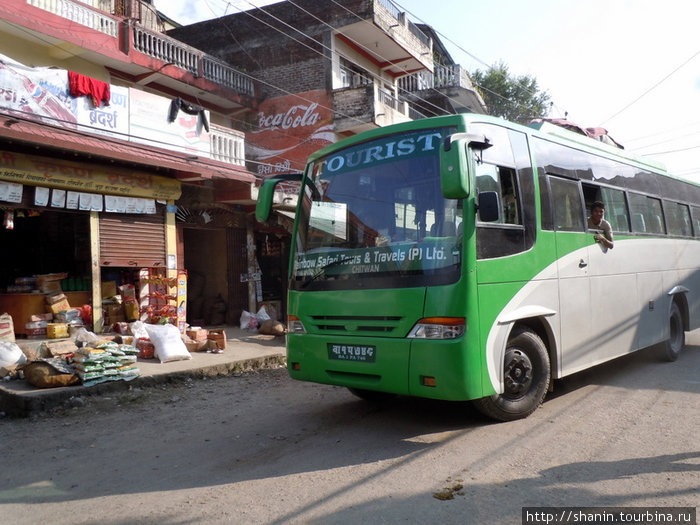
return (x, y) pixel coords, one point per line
(672, 347)
(526, 376)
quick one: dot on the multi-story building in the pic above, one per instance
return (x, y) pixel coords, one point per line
(117, 152)
(326, 70)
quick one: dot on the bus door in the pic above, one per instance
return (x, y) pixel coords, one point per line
(573, 274)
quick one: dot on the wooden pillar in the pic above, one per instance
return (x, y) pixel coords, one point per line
(97, 316)
(252, 267)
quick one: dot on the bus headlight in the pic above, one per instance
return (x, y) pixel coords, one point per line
(294, 325)
(438, 328)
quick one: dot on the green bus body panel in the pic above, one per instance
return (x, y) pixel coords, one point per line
(456, 364)
(491, 294)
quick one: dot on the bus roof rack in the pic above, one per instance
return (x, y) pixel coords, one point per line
(599, 134)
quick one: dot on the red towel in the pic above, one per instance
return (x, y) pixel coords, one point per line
(97, 90)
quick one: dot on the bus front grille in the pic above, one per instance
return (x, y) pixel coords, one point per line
(361, 324)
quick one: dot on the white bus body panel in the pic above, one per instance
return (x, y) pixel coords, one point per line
(618, 302)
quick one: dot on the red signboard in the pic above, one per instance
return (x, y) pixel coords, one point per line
(289, 129)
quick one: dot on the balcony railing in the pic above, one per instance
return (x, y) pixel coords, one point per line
(452, 76)
(79, 13)
(389, 100)
(444, 76)
(227, 145)
(151, 43)
(166, 49)
(188, 58)
(396, 13)
(225, 75)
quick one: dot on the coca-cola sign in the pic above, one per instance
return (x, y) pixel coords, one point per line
(289, 129)
(297, 116)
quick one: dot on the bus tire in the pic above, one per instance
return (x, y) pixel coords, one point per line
(526, 375)
(671, 348)
(372, 396)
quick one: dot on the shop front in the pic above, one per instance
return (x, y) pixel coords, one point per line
(81, 229)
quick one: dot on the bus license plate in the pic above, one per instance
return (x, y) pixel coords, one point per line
(360, 353)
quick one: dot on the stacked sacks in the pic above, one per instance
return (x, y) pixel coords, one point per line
(106, 362)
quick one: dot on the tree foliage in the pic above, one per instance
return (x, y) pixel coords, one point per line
(515, 98)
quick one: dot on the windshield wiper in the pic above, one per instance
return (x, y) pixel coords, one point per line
(322, 270)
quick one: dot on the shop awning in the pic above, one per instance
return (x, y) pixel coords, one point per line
(184, 167)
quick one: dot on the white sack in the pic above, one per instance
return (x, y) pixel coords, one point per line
(11, 354)
(168, 342)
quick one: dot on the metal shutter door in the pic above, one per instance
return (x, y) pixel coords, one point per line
(136, 241)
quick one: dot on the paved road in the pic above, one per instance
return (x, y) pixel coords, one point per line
(260, 448)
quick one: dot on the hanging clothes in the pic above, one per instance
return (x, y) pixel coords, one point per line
(178, 104)
(97, 90)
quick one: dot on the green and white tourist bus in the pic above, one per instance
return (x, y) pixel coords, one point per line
(449, 258)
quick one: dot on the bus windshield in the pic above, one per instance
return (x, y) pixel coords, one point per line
(373, 216)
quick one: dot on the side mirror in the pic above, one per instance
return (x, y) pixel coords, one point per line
(266, 193)
(455, 165)
(488, 206)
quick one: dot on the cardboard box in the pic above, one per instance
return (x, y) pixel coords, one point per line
(197, 334)
(55, 298)
(60, 348)
(60, 306)
(41, 317)
(109, 289)
(35, 332)
(113, 310)
(219, 337)
(50, 282)
(56, 330)
(196, 346)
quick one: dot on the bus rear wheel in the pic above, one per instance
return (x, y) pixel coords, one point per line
(526, 376)
(672, 347)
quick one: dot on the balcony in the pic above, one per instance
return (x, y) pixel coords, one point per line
(79, 13)
(192, 60)
(359, 108)
(196, 73)
(227, 145)
(451, 82)
(384, 35)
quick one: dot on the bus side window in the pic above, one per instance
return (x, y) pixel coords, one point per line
(647, 216)
(503, 181)
(567, 206)
(678, 219)
(696, 220)
(614, 202)
(615, 209)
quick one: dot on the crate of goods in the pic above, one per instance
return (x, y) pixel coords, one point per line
(197, 334)
(113, 313)
(51, 282)
(56, 330)
(108, 289)
(57, 303)
(219, 337)
(35, 329)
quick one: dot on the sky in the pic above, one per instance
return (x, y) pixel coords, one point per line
(630, 66)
